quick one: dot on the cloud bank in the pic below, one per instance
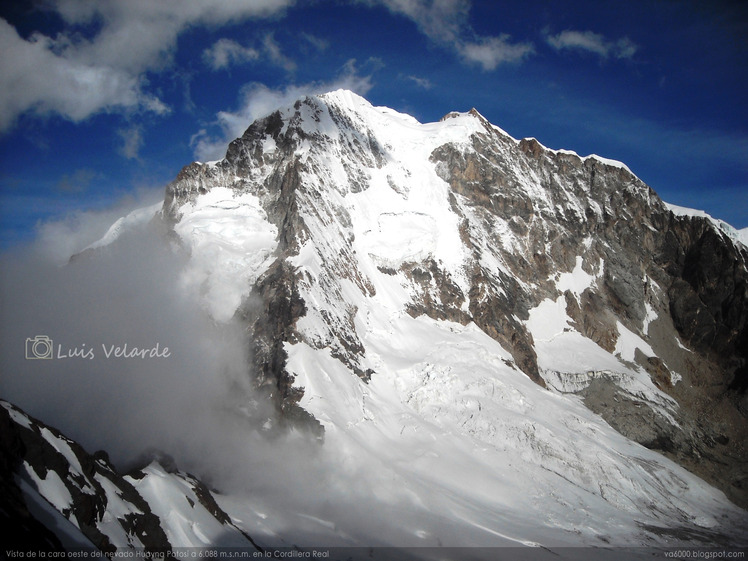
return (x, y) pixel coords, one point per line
(125, 295)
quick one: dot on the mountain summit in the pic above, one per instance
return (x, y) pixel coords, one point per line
(514, 335)
(586, 280)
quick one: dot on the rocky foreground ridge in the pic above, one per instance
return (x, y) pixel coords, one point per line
(57, 496)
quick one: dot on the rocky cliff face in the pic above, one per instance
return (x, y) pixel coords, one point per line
(460, 222)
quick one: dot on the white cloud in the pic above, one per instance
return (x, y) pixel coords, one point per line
(132, 140)
(446, 23)
(76, 76)
(272, 49)
(424, 83)
(35, 77)
(258, 100)
(625, 48)
(442, 21)
(316, 42)
(593, 43)
(579, 40)
(225, 52)
(489, 52)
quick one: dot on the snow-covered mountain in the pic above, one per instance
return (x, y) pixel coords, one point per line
(499, 343)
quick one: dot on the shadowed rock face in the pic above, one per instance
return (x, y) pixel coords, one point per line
(708, 293)
(678, 282)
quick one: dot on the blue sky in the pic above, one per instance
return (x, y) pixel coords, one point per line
(105, 101)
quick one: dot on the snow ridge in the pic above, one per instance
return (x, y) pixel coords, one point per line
(720, 225)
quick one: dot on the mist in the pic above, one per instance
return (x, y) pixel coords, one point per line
(136, 363)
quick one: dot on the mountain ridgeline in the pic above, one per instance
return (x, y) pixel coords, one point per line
(478, 227)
